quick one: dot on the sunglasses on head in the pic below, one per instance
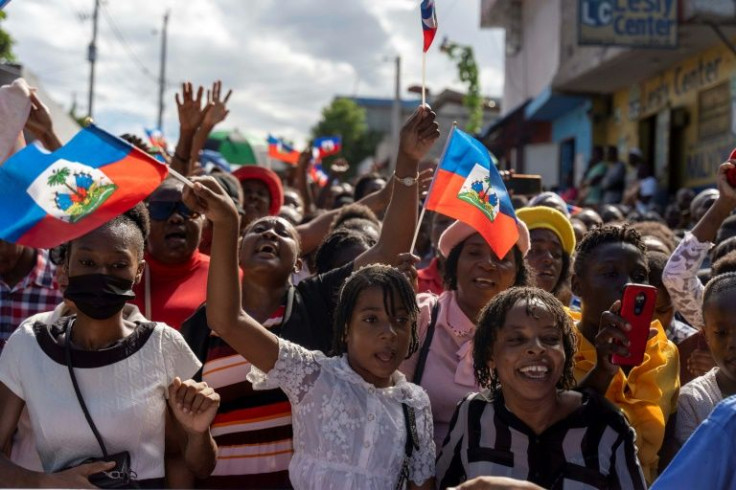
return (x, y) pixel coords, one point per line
(161, 210)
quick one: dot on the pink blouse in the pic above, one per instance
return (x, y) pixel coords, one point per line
(448, 373)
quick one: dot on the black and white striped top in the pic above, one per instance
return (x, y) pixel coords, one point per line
(591, 448)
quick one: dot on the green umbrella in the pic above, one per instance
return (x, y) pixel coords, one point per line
(233, 146)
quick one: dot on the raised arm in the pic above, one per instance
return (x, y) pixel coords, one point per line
(224, 314)
(680, 274)
(191, 114)
(417, 137)
(215, 111)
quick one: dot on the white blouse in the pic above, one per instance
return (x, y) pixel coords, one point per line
(347, 432)
(126, 397)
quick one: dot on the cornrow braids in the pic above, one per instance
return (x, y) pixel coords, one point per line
(600, 236)
(492, 319)
(393, 283)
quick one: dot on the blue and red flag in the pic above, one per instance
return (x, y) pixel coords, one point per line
(326, 146)
(468, 187)
(50, 198)
(156, 138)
(278, 150)
(429, 22)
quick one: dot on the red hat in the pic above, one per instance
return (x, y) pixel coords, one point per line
(268, 177)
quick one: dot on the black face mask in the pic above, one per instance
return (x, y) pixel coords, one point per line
(99, 296)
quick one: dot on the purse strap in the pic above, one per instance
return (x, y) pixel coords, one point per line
(68, 354)
(412, 442)
(424, 351)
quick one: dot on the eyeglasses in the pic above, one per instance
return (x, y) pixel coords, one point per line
(161, 210)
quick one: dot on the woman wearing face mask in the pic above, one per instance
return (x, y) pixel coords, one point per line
(128, 372)
(473, 275)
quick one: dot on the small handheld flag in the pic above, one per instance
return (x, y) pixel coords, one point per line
(468, 187)
(326, 146)
(278, 150)
(51, 198)
(429, 22)
(156, 138)
(429, 29)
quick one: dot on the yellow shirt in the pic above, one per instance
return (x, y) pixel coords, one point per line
(647, 396)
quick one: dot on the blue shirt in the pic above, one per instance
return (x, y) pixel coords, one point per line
(706, 460)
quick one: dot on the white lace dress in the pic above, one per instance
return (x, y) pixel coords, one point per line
(347, 433)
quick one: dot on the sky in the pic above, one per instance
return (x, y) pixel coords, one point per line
(284, 59)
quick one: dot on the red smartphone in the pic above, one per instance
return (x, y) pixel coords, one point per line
(731, 174)
(637, 308)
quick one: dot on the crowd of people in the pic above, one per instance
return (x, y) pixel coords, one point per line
(256, 330)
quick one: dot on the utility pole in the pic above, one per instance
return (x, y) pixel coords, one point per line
(162, 73)
(396, 115)
(92, 58)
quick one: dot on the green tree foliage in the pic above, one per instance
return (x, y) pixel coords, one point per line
(345, 118)
(468, 72)
(6, 44)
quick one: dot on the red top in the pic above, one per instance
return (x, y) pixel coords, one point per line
(430, 278)
(176, 290)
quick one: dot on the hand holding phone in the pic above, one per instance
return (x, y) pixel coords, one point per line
(637, 308)
(731, 174)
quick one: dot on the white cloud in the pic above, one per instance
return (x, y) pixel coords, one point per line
(284, 59)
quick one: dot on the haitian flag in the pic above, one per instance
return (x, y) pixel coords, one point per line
(278, 150)
(326, 146)
(429, 22)
(468, 187)
(50, 198)
(156, 138)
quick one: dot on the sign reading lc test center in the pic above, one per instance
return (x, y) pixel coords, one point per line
(632, 23)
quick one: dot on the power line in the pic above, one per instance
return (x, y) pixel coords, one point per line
(124, 43)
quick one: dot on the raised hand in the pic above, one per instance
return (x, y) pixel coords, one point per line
(191, 112)
(216, 108)
(39, 123)
(406, 263)
(419, 134)
(193, 404)
(208, 198)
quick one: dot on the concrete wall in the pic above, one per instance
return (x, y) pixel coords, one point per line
(529, 71)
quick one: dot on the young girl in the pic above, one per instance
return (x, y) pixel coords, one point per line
(528, 424)
(701, 395)
(350, 428)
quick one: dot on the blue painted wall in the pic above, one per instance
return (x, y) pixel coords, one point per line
(575, 124)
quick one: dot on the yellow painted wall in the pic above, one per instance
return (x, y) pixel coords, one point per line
(678, 87)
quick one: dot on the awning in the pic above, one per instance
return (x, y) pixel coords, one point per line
(550, 105)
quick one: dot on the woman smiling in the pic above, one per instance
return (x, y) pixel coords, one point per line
(528, 424)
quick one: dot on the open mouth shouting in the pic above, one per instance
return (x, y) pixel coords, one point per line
(267, 249)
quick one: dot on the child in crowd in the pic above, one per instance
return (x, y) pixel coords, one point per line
(357, 422)
(701, 395)
(523, 425)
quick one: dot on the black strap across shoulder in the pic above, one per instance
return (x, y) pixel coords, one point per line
(412, 443)
(424, 350)
(68, 353)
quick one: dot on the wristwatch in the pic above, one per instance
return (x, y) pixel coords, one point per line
(407, 181)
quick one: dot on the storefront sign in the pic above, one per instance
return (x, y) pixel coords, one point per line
(703, 160)
(714, 111)
(632, 23)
